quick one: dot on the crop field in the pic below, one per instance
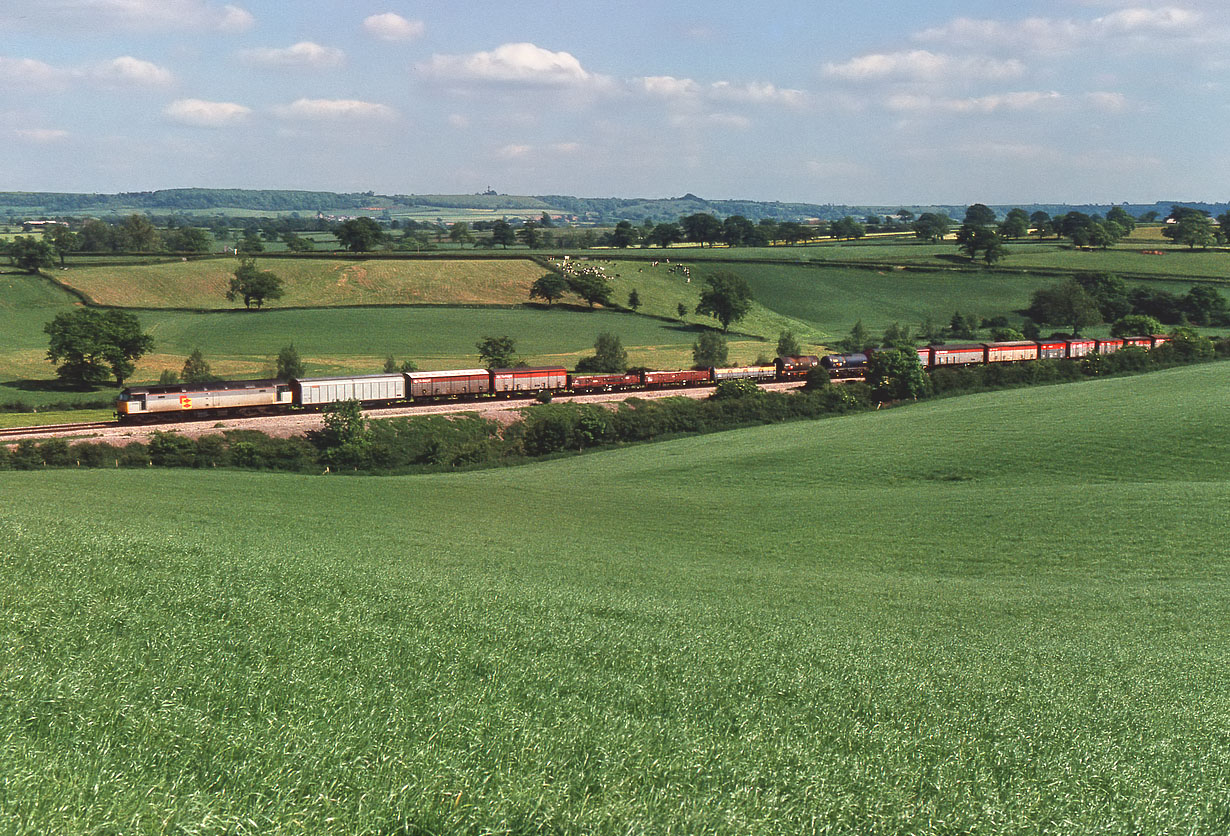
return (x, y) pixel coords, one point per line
(812, 628)
(310, 283)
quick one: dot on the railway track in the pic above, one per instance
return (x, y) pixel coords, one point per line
(56, 429)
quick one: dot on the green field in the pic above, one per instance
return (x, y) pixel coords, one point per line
(860, 625)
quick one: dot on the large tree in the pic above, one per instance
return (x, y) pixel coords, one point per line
(897, 374)
(609, 356)
(497, 352)
(847, 227)
(1015, 225)
(253, 285)
(91, 345)
(1193, 228)
(979, 214)
(726, 297)
(709, 350)
(502, 233)
(701, 228)
(549, 287)
(30, 254)
(591, 287)
(138, 234)
(973, 239)
(931, 226)
(359, 234)
(1066, 303)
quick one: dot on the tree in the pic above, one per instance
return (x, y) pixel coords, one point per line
(663, 235)
(1193, 229)
(196, 370)
(1119, 215)
(591, 287)
(738, 230)
(726, 297)
(1071, 223)
(858, 340)
(359, 234)
(1066, 303)
(962, 326)
(346, 438)
(634, 299)
(254, 286)
(847, 227)
(496, 352)
(624, 235)
(1223, 225)
(545, 221)
(1015, 225)
(682, 310)
(709, 350)
(1135, 325)
(1109, 292)
(97, 236)
(788, 345)
(1204, 305)
(979, 214)
(460, 233)
(1039, 219)
(502, 234)
(31, 254)
(897, 375)
(297, 243)
(973, 240)
(701, 228)
(792, 232)
(288, 364)
(549, 287)
(609, 356)
(931, 226)
(138, 234)
(896, 336)
(62, 240)
(529, 235)
(251, 242)
(93, 345)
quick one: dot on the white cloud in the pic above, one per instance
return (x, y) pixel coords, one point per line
(392, 27)
(921, 65)
(126, 71)
(40, 136)
(669, 87)
(522, 63)
(332, 109)
(303, 55)
(29, 72)
(1044, 35)
(757, 92)
(1108, 101)
(203, 114)
(127, 15)
(1015, 101)
(513, 152)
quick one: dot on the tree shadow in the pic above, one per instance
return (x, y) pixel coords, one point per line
(45, 385)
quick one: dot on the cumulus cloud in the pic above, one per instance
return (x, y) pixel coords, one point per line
(1108, 101)
(40, 136)
(757, 93)
(29, 72)
(303, 55)
(513, 152)
(522, 63)
(669, 87)
(334, 109)
(128, 71)
(921, 65)
(202, 114)
(124, 71)
(1015, 101)
(127, 15)
(392, 27)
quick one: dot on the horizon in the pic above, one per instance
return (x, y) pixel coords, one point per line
(1072, 102)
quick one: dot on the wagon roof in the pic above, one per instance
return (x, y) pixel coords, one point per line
(346, 378)
(446, 373)
(213, 386)
(559, 369)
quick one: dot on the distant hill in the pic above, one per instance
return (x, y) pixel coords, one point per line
(29, 205)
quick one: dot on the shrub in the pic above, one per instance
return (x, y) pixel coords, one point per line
(735, 389)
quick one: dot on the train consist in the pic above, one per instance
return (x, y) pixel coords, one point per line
(231, 397)
(976, 354)
(143, 403)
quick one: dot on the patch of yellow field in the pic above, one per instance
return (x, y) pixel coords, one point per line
(311, 283)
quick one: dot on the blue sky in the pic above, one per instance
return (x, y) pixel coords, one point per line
(879, 101)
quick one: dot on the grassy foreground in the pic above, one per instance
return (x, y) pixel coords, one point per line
(865, 625)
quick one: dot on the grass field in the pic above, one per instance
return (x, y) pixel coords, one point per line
(310, 283)
(1017, 627)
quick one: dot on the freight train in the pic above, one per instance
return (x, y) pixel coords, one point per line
(976, 354)
(235, 397)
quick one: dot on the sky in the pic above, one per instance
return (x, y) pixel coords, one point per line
(821, 101)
